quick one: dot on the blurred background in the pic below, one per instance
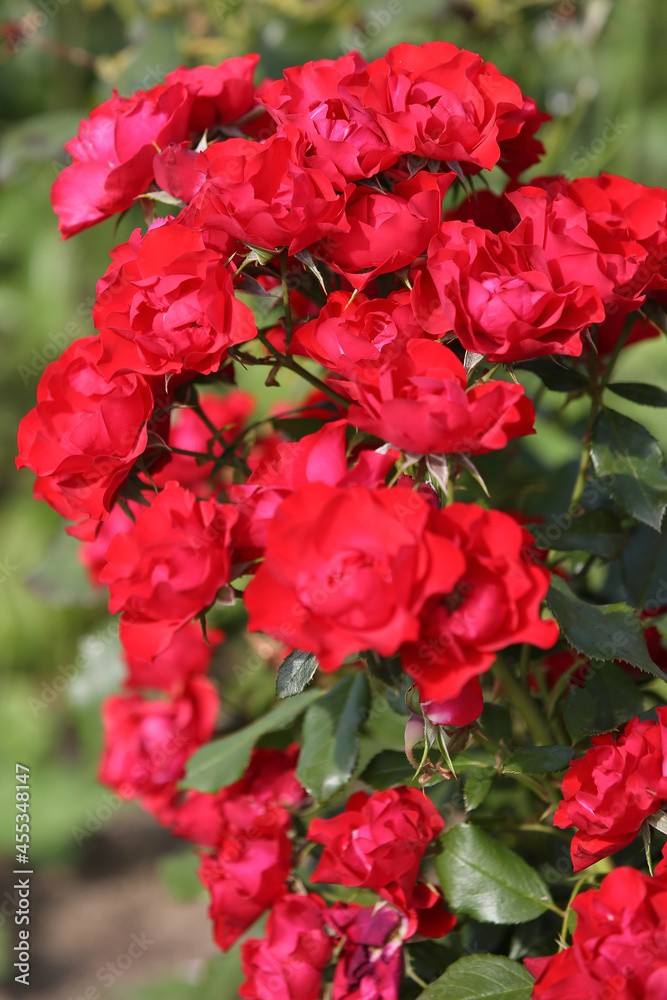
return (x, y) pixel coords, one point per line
(106, 872)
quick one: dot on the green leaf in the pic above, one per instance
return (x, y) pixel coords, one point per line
(630, 464)
(644, 565)
(482, 977)
(295, 672)
(596, 531)
(640, 392)
(608, 699)
(330, 737)
(601, 631)
(555, 375)
(495, 721)
(162, 196)
(539, 760)
(475, 757)
(477, 787)
(484, 879)
(387, 769)
(223, 761)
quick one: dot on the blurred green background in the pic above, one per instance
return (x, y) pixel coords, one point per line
(598, 66)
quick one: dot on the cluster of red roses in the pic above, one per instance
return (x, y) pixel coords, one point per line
(619, 946)
(610, 791)
(322, 194)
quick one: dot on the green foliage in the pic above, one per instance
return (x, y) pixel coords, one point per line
(598, 531)
(223, 761)
(484, 879)
(295, 673)
(538, 760)
(330, 737)
(608, 699)
(631, 465)
(481, 977)
(640, 392)
(601, 632)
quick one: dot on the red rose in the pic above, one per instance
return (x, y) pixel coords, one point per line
(220, 94)
(494, 603)
(265, 194)
(633, 212)
(266, 793)
(352, 335)
(378, 841)
(346, 142)
(349, 569)
(246, 874)
(188, 653)
(93, 554)
(317, 458)
(613, 788)
(287, 963)
(383, 230)
(577, 249)
(427, 915)
(176, 171)
(419, 404)
(497, 299)
(440, 102)
(113, 154)
(84, 434)
(167, 305)
(370, 966)
(619, 946)
(147, 743)
(168, 568)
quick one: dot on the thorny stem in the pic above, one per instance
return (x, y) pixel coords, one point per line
(285, 361)
(595, 391)
(286, 301)
(491, 372)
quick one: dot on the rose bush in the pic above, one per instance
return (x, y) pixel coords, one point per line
(456, 657)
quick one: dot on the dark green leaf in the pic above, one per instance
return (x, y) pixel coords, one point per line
(596, 531)
(640, 392)
(223, 761)
(475, 757)
(330, 737)
(630, 464)
(555, 375)
(295, 673)
(600, 631)
(477, 787)
(495, 721)
(482, 977)
(539, 760)
(387, 769)
(608, 699)
(485, 880)
(644, 566)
